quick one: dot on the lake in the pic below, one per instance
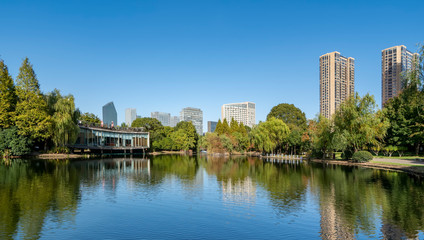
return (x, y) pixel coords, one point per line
(199, 197)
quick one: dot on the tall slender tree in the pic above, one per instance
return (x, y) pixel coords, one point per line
(32, 118)
(7, 97)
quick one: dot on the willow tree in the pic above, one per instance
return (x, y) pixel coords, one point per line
(32, 118)
(65, 117)
(270, 135)
(360, 123)
(7, 97)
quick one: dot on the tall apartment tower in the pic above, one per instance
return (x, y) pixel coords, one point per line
(109, 114)
(194, 115)
(394, 62)
(130, 116)
(164, 118)
(337, 81)
(241, 112)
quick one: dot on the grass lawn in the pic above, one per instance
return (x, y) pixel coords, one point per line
(397, 164)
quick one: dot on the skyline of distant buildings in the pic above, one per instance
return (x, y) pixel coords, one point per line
(244, 112)
(337, 83)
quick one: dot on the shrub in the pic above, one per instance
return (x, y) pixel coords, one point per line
(362, 156)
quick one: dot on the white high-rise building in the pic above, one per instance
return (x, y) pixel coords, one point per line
(194, 115)
(164, 118)
(394, 62)
(244, 112)
(130, 116)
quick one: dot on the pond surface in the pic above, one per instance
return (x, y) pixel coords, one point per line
(181, 197)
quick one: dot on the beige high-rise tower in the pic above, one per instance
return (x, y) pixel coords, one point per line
(394, 62)
(337, 81)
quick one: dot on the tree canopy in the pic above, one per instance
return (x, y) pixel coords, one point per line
(8, 97)
(290, 114)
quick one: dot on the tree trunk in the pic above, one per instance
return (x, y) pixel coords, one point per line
(417, 149)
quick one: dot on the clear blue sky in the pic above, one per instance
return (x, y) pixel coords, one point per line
(167, 55)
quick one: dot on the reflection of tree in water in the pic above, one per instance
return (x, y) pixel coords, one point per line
(352, 198)
(32, 191)
(286, 184)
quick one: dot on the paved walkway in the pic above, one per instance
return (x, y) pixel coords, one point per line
(401, 161)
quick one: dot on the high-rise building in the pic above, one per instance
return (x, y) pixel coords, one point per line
(164, 118)
(130, 116)
(174, 121)
(241, 112)
(194, 115)
(337, 81)
(109, 114)
(212, 126)
(394, 62)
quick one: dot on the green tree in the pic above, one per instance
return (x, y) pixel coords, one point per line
(359, 123)
(270, 135)
(64, 118)
(89, 118)
(225, 127)
(219, 128)
(13, 143)
(7, 97)
(406, 111)
(32, 118)
(234, 126)
(187, 132)
(290, 114)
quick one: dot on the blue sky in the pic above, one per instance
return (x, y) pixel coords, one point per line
(167, 55)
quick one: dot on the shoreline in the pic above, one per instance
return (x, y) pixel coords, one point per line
(413, 170)
(417, 170)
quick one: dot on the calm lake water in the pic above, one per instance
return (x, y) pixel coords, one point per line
(181, 197)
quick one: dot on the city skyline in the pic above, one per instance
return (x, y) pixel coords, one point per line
(239, 51)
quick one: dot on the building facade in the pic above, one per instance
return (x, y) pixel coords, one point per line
(130, 116)
(194, 115)
(174, 121)
(164, 118)
(394, 62)
(211, 126)
(337, 81)
(109, 114)
(244, 112)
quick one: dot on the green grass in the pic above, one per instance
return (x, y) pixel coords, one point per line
(404, 157)
(397, 164)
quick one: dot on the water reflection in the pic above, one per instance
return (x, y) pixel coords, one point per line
(351, 202)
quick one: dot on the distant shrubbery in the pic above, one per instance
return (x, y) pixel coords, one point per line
(362, 156)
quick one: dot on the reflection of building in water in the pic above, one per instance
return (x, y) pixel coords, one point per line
(110, 171)
(332, 224)
(240, 191)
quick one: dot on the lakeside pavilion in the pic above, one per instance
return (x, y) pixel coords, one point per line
(95, 138)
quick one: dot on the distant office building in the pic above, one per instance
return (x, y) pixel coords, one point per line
(195, 115)
(164, 118)
(130, 116)
(394, 61)
(212, 126)
(241, 112)
(138, 116)
(109, 114)
(337, 81)
(174, 121)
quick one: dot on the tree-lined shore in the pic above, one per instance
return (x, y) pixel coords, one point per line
(32, 121)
